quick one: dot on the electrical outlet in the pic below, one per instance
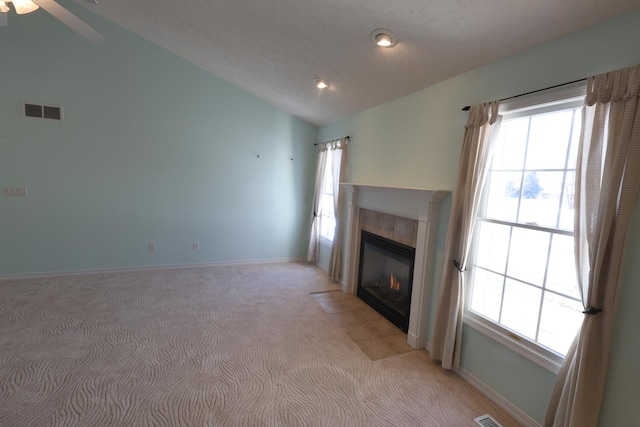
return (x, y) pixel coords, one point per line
(151, 247)
(14, 191)
(196, 246)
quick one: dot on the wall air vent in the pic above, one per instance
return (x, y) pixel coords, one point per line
(42, 111)
(486, 421)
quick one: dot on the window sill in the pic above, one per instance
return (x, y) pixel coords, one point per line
(513, 343)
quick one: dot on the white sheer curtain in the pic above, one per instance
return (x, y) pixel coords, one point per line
(338, 167)
(607, 180)
(313, 252)
(481, 128)
(333, 153)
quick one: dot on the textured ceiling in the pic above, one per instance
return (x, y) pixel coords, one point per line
(275, 48)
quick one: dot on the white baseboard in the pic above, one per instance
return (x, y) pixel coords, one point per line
(496, 398)
(412, 340)
(146, 268)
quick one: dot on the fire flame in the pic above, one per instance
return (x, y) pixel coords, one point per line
(394, 284)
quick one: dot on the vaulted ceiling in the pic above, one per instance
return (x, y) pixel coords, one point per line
(275, 49)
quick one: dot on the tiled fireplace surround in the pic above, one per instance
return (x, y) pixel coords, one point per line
(405, 215)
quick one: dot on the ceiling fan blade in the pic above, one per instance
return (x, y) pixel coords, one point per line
(70, 20)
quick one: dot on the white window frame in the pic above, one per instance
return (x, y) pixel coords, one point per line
(571, 96)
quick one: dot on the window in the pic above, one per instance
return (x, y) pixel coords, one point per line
(522, 285)
(327, 219)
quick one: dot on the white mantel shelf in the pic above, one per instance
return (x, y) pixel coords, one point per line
(393, 188)
(413, 203)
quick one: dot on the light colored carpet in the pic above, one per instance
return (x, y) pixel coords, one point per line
(220, 346)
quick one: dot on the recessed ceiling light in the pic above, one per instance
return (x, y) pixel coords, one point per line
(321, 84)
(384, 38)
(21, 6)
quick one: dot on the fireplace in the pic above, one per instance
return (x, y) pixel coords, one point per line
(386, 276)
(387, 210)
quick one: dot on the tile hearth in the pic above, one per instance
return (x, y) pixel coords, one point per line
(376, 336)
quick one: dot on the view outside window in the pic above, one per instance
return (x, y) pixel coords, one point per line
(523, 269)
(327, 219)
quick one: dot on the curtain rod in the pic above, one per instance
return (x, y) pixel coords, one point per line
(534, 91)
(326, 142)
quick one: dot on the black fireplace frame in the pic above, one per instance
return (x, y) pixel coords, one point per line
(395, 250)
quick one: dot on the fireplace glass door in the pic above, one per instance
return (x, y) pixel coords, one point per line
(386, 276)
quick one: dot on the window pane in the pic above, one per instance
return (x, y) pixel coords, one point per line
(560, 321)
(493, 245)
(575, 138)
(327, 185)
(327, 227)
(521, 307)
(541, 198)
(561, 276)
(503, 192)
(327, 221)
(487, 293)
(549, 134)
(511, 145)
(528, 255)
(326, 205)
(566, 210)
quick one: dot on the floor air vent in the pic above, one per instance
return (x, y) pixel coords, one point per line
(486, 421)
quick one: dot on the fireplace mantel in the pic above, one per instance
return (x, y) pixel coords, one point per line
(413, 203)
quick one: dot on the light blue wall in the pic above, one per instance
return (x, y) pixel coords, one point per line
(419, 137)
(152, 149)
